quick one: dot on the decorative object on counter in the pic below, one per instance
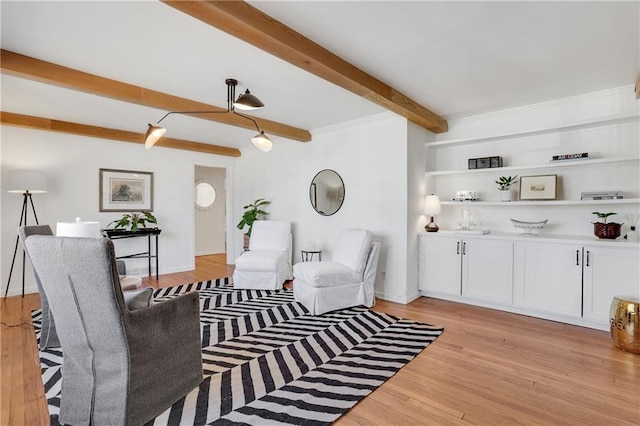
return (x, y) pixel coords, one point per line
(538, 187)
(125, 191)
(569, 157)
(468, 220)
(528, 227)
(134, 220)
(601, 195)
(624, 319)
(632, 236)
(432, 207)
(79, 229)
(466, 195)
(504, 186)
(251, 213)
(606, 230)
(484, 162)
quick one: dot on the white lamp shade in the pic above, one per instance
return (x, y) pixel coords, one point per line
(21, 181)
(432, 205)
(262, 142)
(153, 134)
(78, 229)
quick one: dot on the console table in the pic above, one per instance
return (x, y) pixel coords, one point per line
(116, 234)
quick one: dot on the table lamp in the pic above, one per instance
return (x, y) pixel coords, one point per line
(432, 207)
(78, 229)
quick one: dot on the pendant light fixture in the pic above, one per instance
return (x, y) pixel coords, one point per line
(246, 101)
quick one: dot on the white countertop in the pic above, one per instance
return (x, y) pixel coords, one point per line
(542, 237)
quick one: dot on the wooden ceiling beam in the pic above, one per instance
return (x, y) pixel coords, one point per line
(34, 69)
(47, 124)
(255, 27)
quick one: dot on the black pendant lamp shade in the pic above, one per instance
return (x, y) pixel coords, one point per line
(246, 101)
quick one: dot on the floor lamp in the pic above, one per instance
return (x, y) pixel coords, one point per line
(25, 182)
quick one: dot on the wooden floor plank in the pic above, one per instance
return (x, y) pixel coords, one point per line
(488, 367)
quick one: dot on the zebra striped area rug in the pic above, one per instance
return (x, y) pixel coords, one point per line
(267, 361)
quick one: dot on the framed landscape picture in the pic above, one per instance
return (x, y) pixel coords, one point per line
(125, 191)
(538, 187)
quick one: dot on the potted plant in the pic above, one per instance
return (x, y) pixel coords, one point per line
(250, 215)
(606, 230)
(134, 220)
(504, 186)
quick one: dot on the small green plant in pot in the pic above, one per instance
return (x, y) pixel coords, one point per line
(504, 186)
(134, 220)
(611, 230)
(251, 213)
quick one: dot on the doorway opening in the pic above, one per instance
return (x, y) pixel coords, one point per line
(209, 205)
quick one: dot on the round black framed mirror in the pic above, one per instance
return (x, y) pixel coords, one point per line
(326, 192)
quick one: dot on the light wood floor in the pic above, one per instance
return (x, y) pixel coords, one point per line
(488, 368)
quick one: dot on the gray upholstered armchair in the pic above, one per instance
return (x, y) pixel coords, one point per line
(48, 335)
(121, 366)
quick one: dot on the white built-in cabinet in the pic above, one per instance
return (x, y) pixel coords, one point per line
(568, 279)
(476, 268)
(548, 277)
(608, 272)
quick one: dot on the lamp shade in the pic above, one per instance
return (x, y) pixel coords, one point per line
(78, 229)
(21, 181)
(247, 102)
(262, 142)
(432, 205)
(153, 134)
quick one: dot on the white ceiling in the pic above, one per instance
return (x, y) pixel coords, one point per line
(455, 58)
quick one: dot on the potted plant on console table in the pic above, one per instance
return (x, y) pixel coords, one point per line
(134, 221)
(606, 230)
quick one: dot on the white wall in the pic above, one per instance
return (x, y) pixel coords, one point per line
(371, 157)
(416, 193)
(71, 164)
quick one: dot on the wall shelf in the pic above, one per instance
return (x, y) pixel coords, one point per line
(615, 119)
(571, 163)
(540, 203)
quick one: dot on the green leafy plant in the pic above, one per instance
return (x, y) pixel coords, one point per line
(135, 220)
(505, 182)
(251, 213)
(603, 216)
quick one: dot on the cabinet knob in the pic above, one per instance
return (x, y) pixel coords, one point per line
(588, 253)
(458, 248)
(577, 257)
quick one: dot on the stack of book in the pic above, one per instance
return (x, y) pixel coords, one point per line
(570, 157)
(601, 195)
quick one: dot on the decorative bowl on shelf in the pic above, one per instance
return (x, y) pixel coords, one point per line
(528, 227)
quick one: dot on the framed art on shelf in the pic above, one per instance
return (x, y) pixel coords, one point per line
(538, 187)
(125, 191)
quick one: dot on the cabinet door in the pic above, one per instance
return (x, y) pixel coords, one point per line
(548, 277)
(487, 270)
(609, 272)
(439, 263)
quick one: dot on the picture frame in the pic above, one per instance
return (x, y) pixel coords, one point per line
(543, 187)
(125, 190)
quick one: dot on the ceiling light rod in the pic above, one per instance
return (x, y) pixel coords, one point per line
(246, 101)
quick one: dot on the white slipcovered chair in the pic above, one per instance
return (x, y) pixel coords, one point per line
(347, 280)
(267, 264)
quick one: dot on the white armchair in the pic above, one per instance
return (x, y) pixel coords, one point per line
(347, 280)
(267, 264)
